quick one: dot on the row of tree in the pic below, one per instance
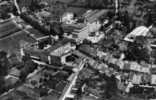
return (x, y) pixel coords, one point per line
(4, 66)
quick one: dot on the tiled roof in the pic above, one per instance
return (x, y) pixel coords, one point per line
(8, 28)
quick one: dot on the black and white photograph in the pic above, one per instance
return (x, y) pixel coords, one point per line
(77, 49)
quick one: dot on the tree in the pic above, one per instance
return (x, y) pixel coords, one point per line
(4, 66)
(56, 29)
(139, 50)
(4, 63)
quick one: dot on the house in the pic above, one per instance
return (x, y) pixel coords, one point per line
(96, 38)
(94, 15)
(68, 18)
(134, 66)
(153, 79)
(8, 28)
(92, 25)
(139, 31)
(13, 77)
(88, 50)
(52, 54)
(63, 49)
(136, 79)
